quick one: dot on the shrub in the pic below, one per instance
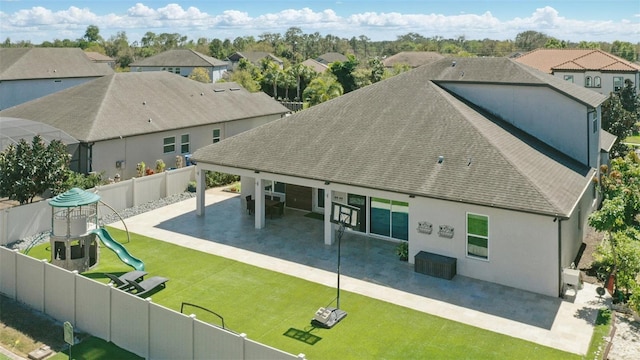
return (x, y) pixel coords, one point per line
(215, 179)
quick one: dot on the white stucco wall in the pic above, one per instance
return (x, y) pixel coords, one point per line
(574, 229)
(557, 120)
(522, 247)
(16, 92)
(149, 147)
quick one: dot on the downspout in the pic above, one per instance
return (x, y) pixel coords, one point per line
(90, 157)
(559, 257)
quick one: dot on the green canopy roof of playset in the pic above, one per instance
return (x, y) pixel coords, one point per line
(74, 197)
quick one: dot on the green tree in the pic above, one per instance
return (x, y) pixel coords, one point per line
(92, 34)
(618, 216)
(377, 70)
(28, 170)
(344, 73)
(244, 78)
(620, 115)
(302, 73)
(553, 43)
(624, 49)
(272, 75)
(529, 40)
(324, 87)
(200, 74)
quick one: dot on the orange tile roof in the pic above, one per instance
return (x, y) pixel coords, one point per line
(548, 60)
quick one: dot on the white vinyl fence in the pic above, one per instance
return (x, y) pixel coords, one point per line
(23, 221)
(134, 324)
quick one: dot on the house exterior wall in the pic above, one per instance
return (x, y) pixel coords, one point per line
(16, 92)
(556, 120)
(215, 72)
(606, 84)
(149, 147)
(574, 229)
(522, 246)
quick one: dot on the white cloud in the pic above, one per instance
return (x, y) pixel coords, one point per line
(36, 24)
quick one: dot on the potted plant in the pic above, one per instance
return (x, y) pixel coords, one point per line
(160, 165)
(140, 168)
(191, 187)
(402, 250)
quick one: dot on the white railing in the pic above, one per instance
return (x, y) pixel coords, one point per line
(23, 221)
(134, 324)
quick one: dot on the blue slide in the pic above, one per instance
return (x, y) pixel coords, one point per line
(119, 249)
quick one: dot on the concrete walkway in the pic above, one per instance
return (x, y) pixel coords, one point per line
(293, 244)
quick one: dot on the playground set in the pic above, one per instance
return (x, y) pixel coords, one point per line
(75, 231)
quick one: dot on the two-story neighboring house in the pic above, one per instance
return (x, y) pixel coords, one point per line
(126, 118)
(485, 163)
(592, 68)
(30, 73)
(182, 62)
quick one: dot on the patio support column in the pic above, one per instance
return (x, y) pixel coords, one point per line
(329, 230)
(200, 190)
(259, 210)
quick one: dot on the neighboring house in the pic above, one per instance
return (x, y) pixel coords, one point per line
(30, 73)
(182, 62)
(482, 160)
(412, 59)
(96, 57)
(126, 118)
(592, 68)
(254, 57)
(315, 65)
(331, 57)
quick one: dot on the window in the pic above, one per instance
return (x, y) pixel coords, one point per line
(596, 81)
(390, 218)
(184, 143)
(216, 135)
(594, 121)
(587, 81)
(618, 82)
(169, 144)
(477, 236)
(568, 78)
(177, 71)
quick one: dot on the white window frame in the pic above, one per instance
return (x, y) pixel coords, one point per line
(568, 78)
(216, 138)
(165, 145)
(467, 234)
(597, 82)
(183, 143)
(621, 78)
(588, 81)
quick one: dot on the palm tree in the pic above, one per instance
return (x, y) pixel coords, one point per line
(302, 72)
(271, 75)
(321, 89)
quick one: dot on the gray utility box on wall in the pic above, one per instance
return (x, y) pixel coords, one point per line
(440, 266)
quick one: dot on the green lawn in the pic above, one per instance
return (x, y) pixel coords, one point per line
(632, 139)
(276, 309)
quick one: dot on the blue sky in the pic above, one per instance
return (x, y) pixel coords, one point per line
(589, 20)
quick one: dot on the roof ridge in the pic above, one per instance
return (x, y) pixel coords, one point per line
(105, 93)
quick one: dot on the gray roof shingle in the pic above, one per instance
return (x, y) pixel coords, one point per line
(389, 136)
(180, 57)
(48, 63)
(121, 104)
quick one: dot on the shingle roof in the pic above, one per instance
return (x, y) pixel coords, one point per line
(316, 66)
(328, 58)
(548, 60)
(254, 57)
(48, 63)
(96, 56)
(607, 140)
(180, 57)
(121, 104)
(389, 136)
(412, 58)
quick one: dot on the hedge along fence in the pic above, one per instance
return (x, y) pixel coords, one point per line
(23, 221)
(132, 323)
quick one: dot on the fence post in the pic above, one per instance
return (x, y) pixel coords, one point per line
(243, 336)
(4, 231)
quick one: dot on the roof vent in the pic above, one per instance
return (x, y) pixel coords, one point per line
(201, 94)
(218, 90)
(440, 159)
(234, 89)
(453, 63)
(150, 120)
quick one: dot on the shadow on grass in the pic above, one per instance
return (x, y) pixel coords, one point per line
(96, 349)
(304, 336)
